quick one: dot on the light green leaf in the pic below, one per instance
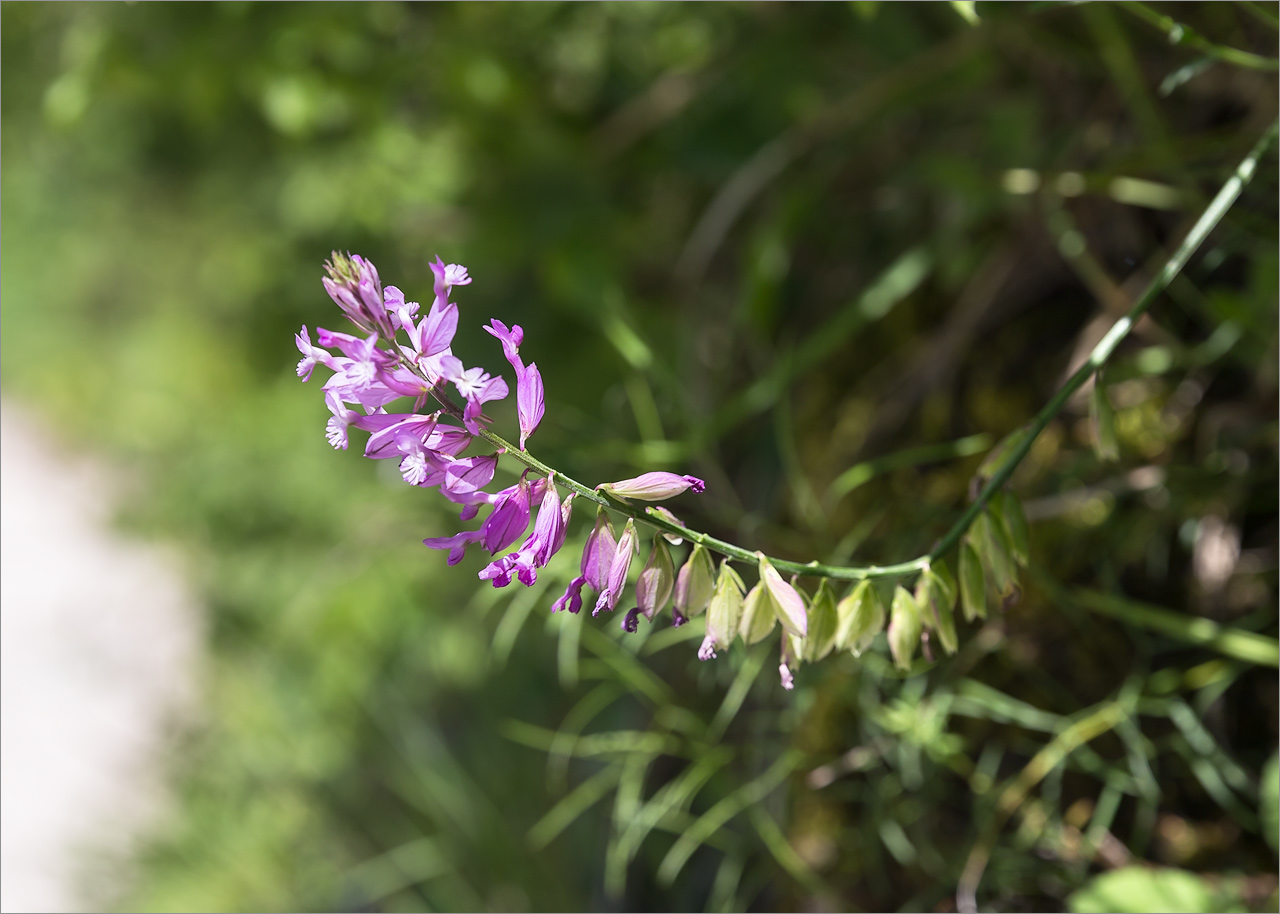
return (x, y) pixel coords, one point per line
(1138, 889)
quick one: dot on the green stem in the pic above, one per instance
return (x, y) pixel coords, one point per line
(1183, 34)
(1212, 215)
(1207, 222)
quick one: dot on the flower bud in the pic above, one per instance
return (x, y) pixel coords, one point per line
(653, 589)
(861, 618)
(597, 554)
(653, 486)
(618, 569)
(789, 606)
(724, 613)
(973, 585)
(354, 286)
(823, 622)
(904, 628)
(791, 651)
(694, 583)
(935, 597)
(759, 615)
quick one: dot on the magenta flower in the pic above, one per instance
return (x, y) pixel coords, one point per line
(509, 519)
(478, 388)
(311, 355)
(435, 333)
(534, 553)
(456, 544)
(597, 557)
(336, 430)
(447, 276)
(530, 404)
(653, 486)
(618, 569)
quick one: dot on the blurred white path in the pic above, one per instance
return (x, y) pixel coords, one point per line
(99, 650)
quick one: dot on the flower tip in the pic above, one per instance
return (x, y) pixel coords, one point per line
(707, 651)
(696, 484)
(788, 681)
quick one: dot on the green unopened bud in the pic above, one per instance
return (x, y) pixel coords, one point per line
(1008, 510)
(788, 605)
(904, 628)
(860, 618)
(759, 615)
(724, 613)
(973, 584)
(935, 596)
(695, 583)
(989, 540)
(823, 623)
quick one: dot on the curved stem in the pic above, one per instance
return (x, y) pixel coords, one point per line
(1212, 215)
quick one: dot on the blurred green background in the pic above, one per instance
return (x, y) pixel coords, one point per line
(823, 256)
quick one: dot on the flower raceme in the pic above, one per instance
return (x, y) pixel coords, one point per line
(403, 353)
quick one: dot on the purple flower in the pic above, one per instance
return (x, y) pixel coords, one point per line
(447, 276)
(653, 486)
(435, 333)
(597, 557)
(530, 404)
(618, 569)
(790, 660)
(534, 553)
(510, 339)
(336, 430)
(311, 355)
(392, 434)
(466, 476)
(509, 519)
(478, 388)
(456, 544)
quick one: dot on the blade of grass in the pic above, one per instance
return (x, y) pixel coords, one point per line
(715, 818)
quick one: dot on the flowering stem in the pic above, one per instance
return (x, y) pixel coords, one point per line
(1212, 215)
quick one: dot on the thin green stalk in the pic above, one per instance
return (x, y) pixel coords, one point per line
(1212, 215)
(1209, 220)
(1182, 34)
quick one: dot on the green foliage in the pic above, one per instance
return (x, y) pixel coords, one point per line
(1136, 889)
(820, 255)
